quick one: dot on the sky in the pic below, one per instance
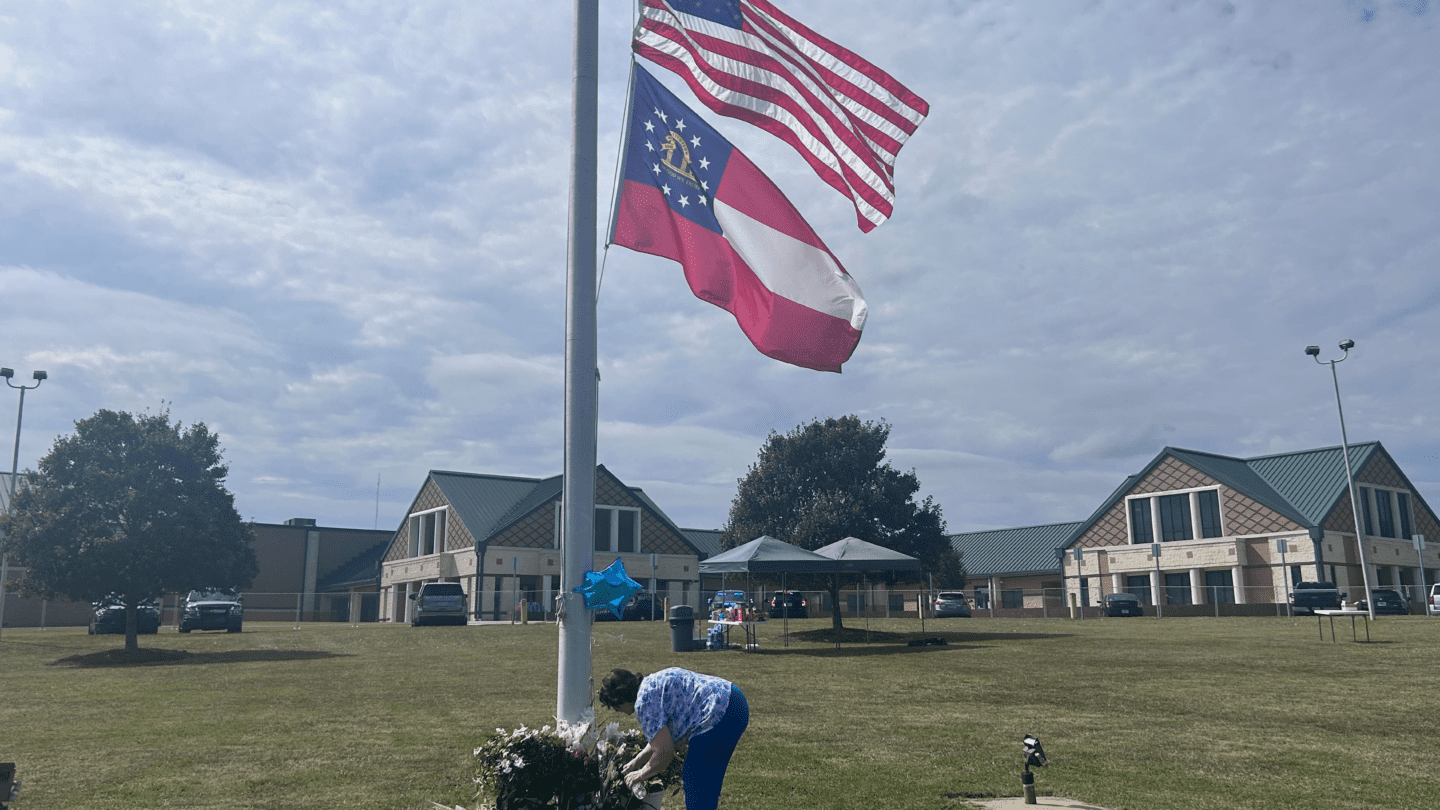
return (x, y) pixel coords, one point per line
(335, 233)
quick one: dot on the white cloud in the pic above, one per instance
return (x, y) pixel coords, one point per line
(336, 232)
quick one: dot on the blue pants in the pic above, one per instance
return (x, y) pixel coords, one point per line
(709, 755)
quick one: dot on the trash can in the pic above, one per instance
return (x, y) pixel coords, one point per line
(682, 628)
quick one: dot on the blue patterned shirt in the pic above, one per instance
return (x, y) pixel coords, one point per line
(683, 700)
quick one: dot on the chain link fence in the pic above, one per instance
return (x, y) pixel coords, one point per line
(515, 605)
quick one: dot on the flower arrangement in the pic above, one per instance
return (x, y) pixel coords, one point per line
(574, 766)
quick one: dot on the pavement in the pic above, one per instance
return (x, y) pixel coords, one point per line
(1018, 803)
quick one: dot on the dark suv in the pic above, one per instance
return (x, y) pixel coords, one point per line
(791, 603)
(212, 610)
(439, 603)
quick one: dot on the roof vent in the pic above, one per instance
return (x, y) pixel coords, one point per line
(300, 522)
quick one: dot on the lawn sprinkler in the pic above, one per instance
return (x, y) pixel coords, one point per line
(9, 785)
(1034, 755)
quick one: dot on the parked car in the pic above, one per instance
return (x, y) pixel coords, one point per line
(731, 599)
(1432, 601)
(1311, 596)
(1123, 604)
(788, 603)
(108, 616)
(212, 610)
(640, 607)
(439, 603)
(1388, 602)
(951, 603)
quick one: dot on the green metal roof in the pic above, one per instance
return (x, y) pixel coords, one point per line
(1313, 481)
(1026, 550)
(1304, 485)
(707, 541)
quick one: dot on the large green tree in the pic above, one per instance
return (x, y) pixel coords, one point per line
(828, 480)
(130, 505)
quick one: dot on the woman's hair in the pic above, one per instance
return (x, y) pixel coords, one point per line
(618, 688)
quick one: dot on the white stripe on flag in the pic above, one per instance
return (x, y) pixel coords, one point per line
(792, 269)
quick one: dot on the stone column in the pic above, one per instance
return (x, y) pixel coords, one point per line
(1237, 576)
(1197, 587)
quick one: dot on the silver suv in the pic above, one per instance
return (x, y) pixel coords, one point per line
(438, 603)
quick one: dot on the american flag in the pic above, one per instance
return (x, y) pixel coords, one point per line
(748, 60)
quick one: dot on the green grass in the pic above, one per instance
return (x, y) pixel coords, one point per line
(1134, 713)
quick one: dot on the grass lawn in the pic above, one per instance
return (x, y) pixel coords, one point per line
(1135, 713)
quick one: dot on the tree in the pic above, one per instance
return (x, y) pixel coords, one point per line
(130, 505)
(828, 480)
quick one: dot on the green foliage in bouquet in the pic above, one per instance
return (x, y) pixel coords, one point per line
(574, 766)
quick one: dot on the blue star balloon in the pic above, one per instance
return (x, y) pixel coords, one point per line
(609, 588)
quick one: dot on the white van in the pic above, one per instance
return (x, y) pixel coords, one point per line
(1432, 602)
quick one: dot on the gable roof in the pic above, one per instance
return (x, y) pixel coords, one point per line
(1025, 550)
(1305, 485)
(489, 504)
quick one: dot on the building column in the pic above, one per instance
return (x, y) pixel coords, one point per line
(1237, 578)
(1117, 583)
(1394, 576)
(994, 593)
(1197, 587)
(1157, 597)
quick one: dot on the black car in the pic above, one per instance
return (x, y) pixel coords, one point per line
(641, 607)
(788, 603)
(1387, 602)
(212, 610)
(1123, 604)
(108, 616)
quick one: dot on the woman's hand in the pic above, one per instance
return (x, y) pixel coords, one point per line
(655, 757)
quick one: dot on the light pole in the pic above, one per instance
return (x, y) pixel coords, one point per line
(39, 377)
(1314, 351)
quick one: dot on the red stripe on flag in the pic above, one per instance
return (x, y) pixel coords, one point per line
(779, 328)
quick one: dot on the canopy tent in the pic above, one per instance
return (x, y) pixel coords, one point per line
(766, 555)
(857, 556)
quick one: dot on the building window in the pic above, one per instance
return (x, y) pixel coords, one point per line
(1387, 510)
(1177, 588)
(1365, 510)
(1084, 591)
(1175, 517)
(1220, 587)
(617, 530)
(1383, 515)
(1012, 598)
(1209, 502)
(1139, 585)
(1140, 521)
(427, 533)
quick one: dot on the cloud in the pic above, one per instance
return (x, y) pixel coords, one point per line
(337, 233)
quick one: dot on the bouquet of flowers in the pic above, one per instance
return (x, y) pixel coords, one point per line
(576, 765)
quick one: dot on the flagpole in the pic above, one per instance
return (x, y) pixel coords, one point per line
(581, 374)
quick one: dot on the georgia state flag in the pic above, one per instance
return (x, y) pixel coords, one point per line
(689, 195)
